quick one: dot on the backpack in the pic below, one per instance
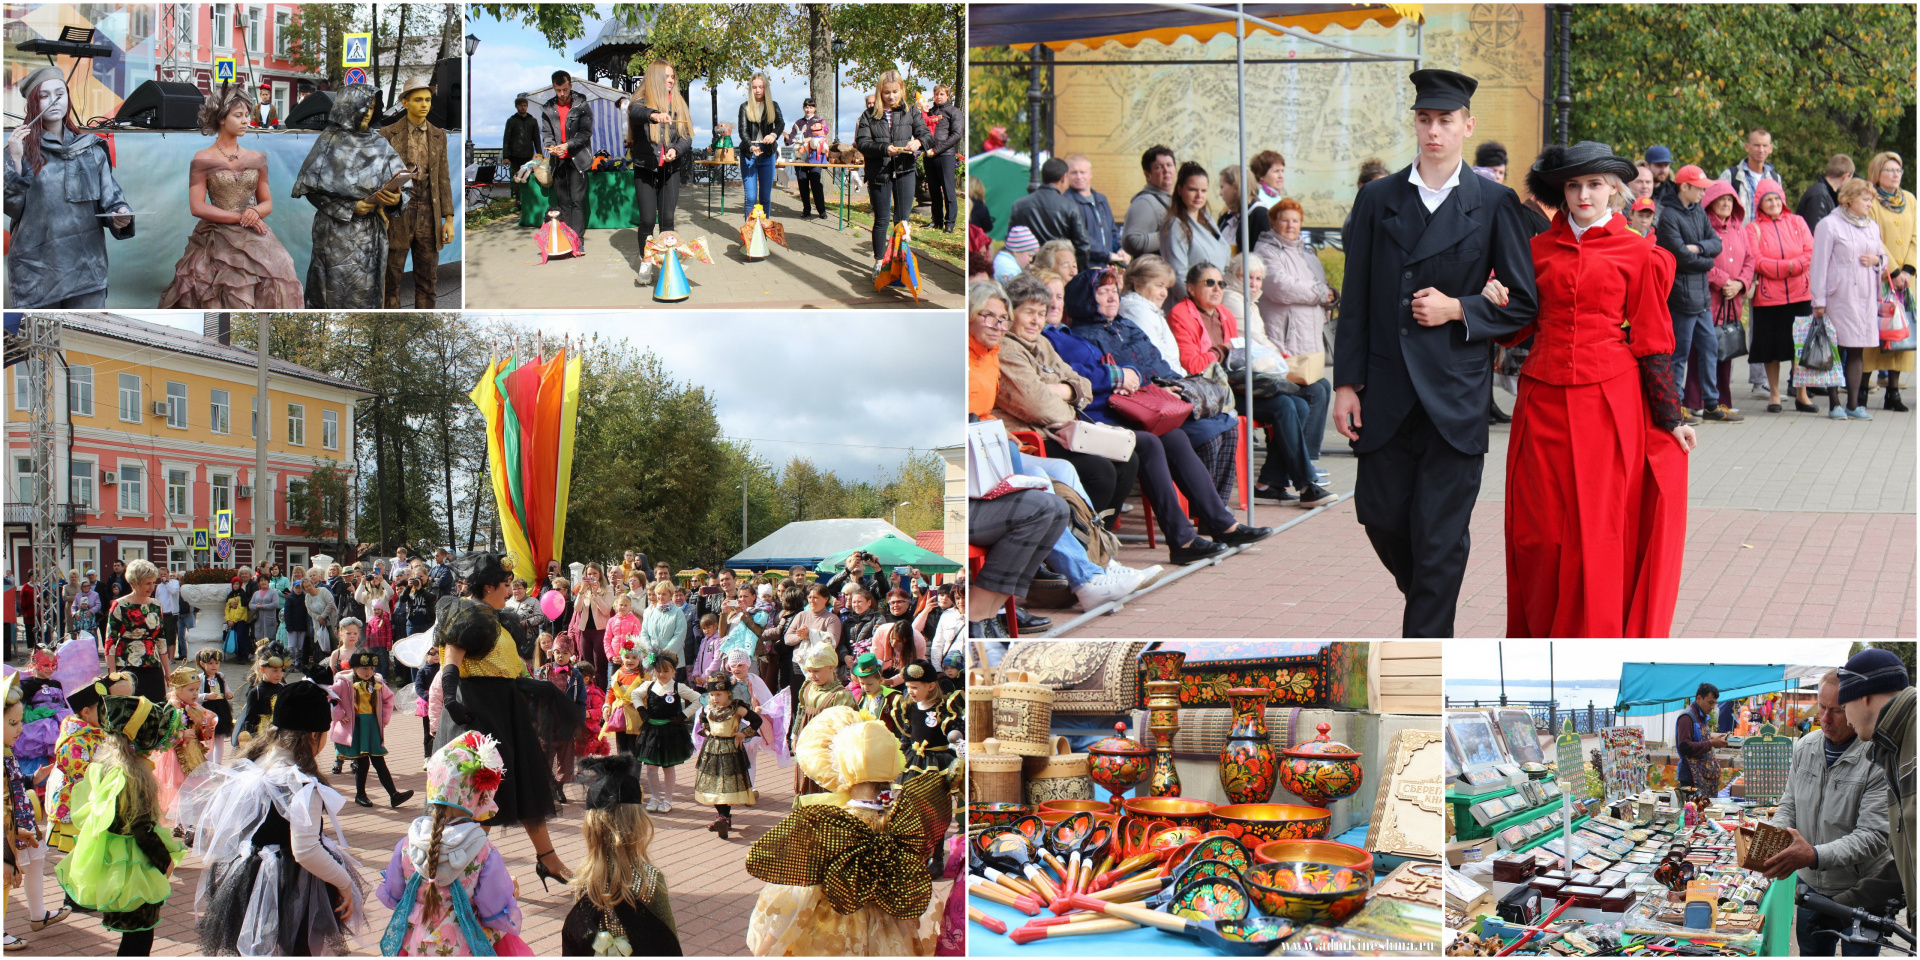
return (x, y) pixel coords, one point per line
(1102, 544)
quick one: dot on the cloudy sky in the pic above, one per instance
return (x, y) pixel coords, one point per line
(851, 397)
(514, 58)
(1479, 659)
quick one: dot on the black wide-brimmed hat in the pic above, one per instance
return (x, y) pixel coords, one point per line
(1557, 165)
(304, 706)
(612, 780)
(1442, 90)
(483, 569)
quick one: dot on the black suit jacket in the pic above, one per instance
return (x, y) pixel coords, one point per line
(1395, 248)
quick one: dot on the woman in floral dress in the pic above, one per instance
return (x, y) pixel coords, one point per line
(133, 636)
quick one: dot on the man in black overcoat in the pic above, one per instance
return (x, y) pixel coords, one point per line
(1412, 374)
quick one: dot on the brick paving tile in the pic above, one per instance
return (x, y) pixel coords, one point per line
(712, 893)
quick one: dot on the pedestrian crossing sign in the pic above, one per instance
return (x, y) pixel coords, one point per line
(223, 70)
(200, 538)
(358, 51)
(223, 525)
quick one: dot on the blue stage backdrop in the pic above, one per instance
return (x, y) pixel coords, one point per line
(152, 169)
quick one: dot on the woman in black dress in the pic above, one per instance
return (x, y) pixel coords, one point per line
(485, 686)
(618, 893)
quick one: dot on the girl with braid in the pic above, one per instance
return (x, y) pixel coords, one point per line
(449, 889)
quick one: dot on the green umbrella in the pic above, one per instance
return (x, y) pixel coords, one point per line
(894, 552)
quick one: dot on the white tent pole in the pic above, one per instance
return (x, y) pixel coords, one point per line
(1246, 248)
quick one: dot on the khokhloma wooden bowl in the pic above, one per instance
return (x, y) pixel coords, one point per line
(1257, 823)
(1307, 891)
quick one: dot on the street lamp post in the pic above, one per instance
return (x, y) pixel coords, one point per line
(896, 510)
(839, 51)
(473, 43)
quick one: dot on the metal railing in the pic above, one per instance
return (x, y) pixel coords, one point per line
(63, 513)
(1547, 715)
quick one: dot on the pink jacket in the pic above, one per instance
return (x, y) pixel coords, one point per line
(1735, 261)
(1782, 252)
(343, 703)
(623, 629)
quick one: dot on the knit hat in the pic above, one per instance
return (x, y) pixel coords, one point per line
(612, 780)
(735, 655)
(1020, 240)
(465, 773)
(564, 644)
(1872, 670)
(866, 666)
(304, 706)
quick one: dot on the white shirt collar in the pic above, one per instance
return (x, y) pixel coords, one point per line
(1430, 197)
(1578, 229)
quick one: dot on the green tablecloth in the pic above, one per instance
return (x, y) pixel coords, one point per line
(609, 201)
(1777, 930)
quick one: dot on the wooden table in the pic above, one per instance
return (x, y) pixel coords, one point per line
(843, 182)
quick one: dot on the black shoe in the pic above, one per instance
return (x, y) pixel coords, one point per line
(1029, 621)
(988, 629)
(1773, 408)
(1497, 415)
(1281, 494)
(1200, 549)
(1316, 495)
(1894, 402)
(1243, 534)
(1048, 576)
(396, 799)
(1799, 407)
(360, 799)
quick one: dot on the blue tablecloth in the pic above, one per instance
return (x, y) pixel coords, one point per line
(1143, 942)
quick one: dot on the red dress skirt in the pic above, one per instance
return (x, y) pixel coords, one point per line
(1596, 512)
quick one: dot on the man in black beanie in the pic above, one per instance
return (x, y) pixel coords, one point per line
(1877, 696)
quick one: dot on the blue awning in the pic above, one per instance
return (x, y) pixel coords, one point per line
(1650, 688)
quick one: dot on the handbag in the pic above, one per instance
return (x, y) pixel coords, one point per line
(1819, 352)
(1727, 330)
(1151, 408)
(1832, 375)
(1099, 439)
(1896, 320)
(1208, 392)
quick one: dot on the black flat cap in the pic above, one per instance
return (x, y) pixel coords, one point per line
(1557, 165)
(1442, 90)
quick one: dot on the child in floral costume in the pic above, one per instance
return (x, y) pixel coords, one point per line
(446, 883)
(80, 738)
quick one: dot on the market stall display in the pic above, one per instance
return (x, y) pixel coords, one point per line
(1309, 800)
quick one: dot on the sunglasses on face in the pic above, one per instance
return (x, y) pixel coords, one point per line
(1210, 282)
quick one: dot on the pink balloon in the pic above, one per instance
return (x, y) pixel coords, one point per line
(552, 604)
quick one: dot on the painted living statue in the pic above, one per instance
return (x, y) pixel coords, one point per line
(425, 224)
(232, 261)
(60, 196)
(353, 177)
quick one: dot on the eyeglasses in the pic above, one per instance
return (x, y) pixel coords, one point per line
(997, 323)
(1212, 283)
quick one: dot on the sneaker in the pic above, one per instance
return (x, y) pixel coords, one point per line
(1859, 413)
(1757, 391)
(1315, 495)
(1124, 575)
(1692, 420)
(1148, 575)
(1101, 589)
(1724, 414)
(1279, 494)
(1320, 475)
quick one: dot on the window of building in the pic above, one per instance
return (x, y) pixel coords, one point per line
(253, 29)
(129, 552)
(330, 429)
(282, 36)
(179, 502)
(295, 488)
(80, 391)
(130, 397)
(297, 424)
(219, 409)
(220, 489)
(24, 488)
(81, 473)
(133, 494)
(176, 405)
(222, 27)
(177, 560)
(23, 386)
(296, 557)
(86, 556)
(253, 427)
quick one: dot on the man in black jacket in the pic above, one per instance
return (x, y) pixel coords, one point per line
(1683, 230)
(566, 134)
(522, 138)
(1823, 194)
(1051, 214)
(1660, 161)
(1421, 245)
(947, 126)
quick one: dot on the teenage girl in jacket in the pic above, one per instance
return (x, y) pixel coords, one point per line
(889, 136)
(946, 126)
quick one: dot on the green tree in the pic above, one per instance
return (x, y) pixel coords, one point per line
(315, 37)
(321, 505)
(1822, 78)
(997, 97)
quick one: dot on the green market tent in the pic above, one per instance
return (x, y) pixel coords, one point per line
(895, 552)
(805, 542)
(1004, 173)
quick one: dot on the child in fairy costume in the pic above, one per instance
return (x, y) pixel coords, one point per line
(886, 907)
(723, 778)
(121, 862)
(279, 878)
(664, 739)
(264, 684)
(44, 708)
(620, 905)
(931, 723)
(449, 889)
(216, 698)
(178, 760)
(26, 847)
(80, 737)
(820, 692)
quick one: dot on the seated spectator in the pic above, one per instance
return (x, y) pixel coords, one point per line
(1016, 528)
(1015, 254)
(1172, 463)
(1205, 330)
(1293, 312)
(1056, 256)
(1143, 295)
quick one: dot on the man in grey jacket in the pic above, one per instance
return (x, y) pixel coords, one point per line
(1140, 232)
(1835, 807)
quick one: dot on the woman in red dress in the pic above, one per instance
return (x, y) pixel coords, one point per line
(1597, 461)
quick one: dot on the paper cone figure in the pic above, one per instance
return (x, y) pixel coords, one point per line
(755, 233)
(556, 239)
(667, 251)
(897, 268)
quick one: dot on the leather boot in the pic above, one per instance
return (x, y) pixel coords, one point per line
(1894, 402)
(360, 782)
(395, 797)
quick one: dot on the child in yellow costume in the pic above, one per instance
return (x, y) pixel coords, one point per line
(846, 874)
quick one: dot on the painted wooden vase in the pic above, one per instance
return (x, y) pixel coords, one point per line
(1321, 770)
(1118, 762)
(1248, 766)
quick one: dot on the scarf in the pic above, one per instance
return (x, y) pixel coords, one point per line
(1895, 202)
(1848, 216)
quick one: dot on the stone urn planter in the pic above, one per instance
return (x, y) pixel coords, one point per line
(209, 612)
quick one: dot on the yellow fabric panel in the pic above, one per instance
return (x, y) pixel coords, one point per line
(1386, 16)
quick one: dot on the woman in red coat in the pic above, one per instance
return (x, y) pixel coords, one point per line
(1597, 461)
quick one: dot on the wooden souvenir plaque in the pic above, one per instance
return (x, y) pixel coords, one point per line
(1407, 815)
